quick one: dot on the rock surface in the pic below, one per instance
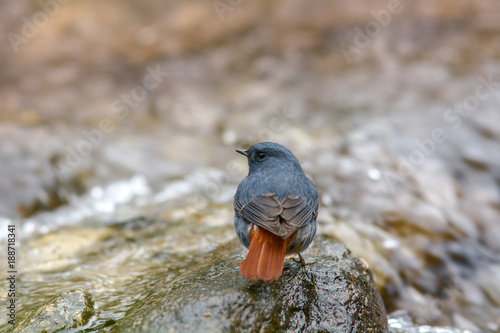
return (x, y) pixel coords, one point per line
(333, 293)
(67, 310)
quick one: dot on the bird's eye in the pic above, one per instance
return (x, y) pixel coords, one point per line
(261, 156)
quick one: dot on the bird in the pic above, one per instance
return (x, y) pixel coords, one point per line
(276, 207)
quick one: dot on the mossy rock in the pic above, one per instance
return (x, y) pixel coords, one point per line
(335, 292)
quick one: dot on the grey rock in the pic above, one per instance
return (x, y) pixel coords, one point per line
(67, 310)
(335, 292)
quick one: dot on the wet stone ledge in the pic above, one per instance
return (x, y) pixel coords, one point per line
(67, 310)
(335, 292)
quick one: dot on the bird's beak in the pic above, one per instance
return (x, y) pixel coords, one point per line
(242, 152)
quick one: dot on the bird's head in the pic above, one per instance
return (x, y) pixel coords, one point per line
(268, 154)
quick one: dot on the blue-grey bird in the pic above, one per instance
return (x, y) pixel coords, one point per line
(275, 207)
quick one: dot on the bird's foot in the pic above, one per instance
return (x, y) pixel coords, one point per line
(302, 261)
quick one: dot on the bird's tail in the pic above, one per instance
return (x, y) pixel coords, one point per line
(266, 256)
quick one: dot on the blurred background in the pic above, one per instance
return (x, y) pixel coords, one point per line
(119, 120)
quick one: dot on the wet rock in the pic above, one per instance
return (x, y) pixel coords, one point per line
(67, 310)
(333, 293)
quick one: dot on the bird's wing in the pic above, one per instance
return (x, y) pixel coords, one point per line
(282, 219)
(261, 210)
(296, 211)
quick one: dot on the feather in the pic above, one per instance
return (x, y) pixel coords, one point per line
(281, 218)
(266, 256)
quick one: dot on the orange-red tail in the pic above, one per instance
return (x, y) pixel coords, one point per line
(266, 256)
